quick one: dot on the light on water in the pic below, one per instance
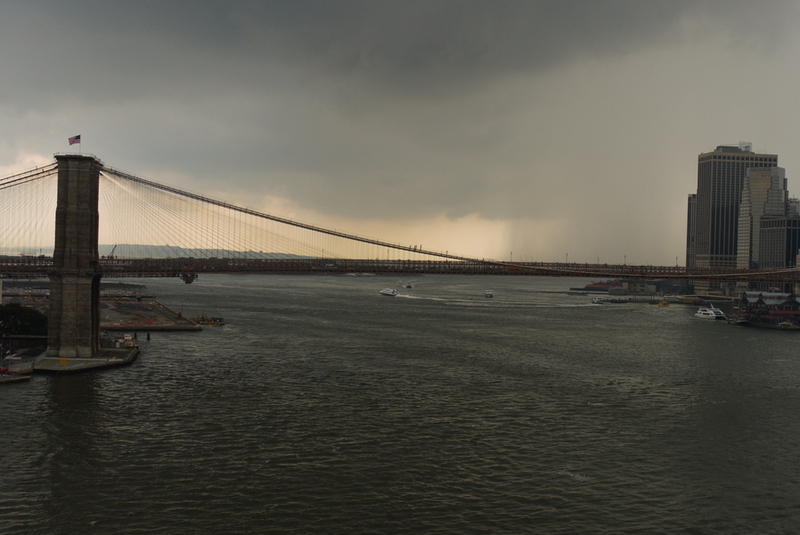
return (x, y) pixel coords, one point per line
(324, 407)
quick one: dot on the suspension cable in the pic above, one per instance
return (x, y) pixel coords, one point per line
(306, 226)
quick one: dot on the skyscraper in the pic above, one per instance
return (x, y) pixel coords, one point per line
(780, 243)
(764, 196)
(690, 230)
(720, 178)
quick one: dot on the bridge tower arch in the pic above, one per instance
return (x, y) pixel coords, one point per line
(74, 322)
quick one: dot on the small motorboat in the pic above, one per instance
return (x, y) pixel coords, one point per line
(489, 293)
(16, 371)
(14, 377)
(710, 313)
(205, 319)
(389, 292)
(597, 300)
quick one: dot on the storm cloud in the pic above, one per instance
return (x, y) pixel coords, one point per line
(540, 127)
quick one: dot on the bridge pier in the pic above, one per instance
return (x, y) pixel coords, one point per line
(74, 322)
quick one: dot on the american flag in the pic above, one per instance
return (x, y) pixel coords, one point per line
(74, 139)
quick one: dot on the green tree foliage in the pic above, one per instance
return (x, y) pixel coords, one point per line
(17, 319)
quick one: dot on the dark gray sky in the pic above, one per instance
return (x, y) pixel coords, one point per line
(542, 128)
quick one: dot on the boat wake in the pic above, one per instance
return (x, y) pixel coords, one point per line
(491, 303)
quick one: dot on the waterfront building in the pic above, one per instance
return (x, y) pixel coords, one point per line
(764, 196)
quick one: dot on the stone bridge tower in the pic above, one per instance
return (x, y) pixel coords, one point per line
(74, 323)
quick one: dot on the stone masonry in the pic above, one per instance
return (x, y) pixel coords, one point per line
(74, 323)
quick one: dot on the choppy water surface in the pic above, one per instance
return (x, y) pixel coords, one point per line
(324, 407)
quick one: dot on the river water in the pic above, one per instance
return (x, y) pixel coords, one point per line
(324, 407)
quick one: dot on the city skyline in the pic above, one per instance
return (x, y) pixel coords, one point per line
(537, 130)
(714, 208)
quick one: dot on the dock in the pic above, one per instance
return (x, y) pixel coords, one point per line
(138, 315)
(122, 307)
(105, 358)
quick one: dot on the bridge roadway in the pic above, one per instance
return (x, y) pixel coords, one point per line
(26, 267)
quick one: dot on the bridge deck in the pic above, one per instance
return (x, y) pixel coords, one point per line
(41, 266)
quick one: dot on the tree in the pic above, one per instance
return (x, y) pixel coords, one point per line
(17, 319)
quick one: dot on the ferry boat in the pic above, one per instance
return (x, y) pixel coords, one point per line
(711, 313)
(389, 292)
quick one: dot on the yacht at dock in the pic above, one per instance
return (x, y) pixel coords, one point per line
(711, 313)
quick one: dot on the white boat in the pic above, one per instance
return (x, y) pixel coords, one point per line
(489, 293)
(710, 313)
(597, 300)
(14, 369)
(389, 292)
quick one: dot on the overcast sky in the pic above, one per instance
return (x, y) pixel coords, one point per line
(538, 128)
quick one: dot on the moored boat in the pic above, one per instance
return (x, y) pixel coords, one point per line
(711, 313)
(12, 372)
(14, 377)
(205, 319)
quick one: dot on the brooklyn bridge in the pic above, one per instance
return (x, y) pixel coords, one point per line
(203, 235)
(154, 230)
